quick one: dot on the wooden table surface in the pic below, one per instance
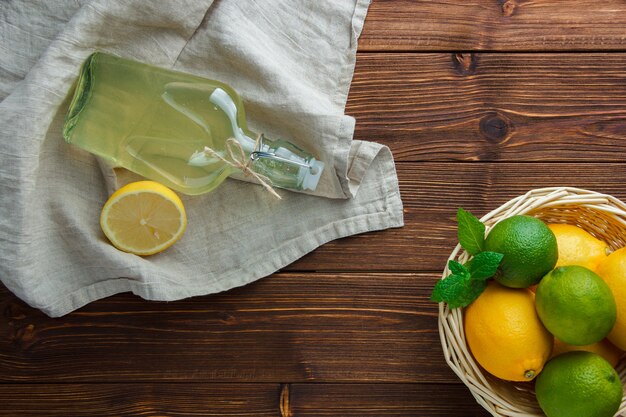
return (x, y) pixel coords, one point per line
(480, 101)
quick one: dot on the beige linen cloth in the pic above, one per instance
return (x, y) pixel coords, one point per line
(292, 61)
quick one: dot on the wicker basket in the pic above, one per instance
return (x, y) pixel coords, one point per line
(601, 215)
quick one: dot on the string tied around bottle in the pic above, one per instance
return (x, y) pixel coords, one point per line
(239, 161)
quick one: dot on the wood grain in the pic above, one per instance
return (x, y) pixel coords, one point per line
(432, 192)
(492, 107)
(360, 327)
(132, 399)
(383, 400)
(258, 400)
(499, 25)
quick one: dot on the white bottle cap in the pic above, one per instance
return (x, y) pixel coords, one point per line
(312, 175)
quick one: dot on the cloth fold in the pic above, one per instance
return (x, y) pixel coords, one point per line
(292, 62)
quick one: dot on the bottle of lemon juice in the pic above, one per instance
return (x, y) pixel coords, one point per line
(184, 131)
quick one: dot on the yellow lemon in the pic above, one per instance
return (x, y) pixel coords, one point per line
(613, 271)
(143, 218)
(505, 335)
(578, 247)
(604, 348)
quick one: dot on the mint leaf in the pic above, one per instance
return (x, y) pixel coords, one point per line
(471, 292)
(484, 265)
(450, 288)
(457, 290)
(466, 282)
(457, 268)
(471, 232)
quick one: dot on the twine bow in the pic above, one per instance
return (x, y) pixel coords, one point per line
(238, 160)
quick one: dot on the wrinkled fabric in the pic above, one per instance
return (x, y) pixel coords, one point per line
(291, 61)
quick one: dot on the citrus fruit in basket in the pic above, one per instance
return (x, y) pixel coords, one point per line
(575, 305)
(613, 272)
(604, 348)
(579, 384)
(529, 248)
(505, 335)
(143, 218)
(578, 247)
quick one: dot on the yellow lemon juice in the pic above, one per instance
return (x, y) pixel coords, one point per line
(158, 123)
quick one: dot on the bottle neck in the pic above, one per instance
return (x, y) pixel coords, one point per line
(283, 163)
(286, 165)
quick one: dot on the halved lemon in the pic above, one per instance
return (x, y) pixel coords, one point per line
(143, 218)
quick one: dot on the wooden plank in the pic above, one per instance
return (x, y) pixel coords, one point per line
(244, 399)
(492, 106)
(432, 192)
(132, 399)
(383, 400)
(362, 327)
(501, 25)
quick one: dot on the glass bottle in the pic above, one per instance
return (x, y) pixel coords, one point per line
(158, 122)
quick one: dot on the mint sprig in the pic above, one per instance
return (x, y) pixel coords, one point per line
(467, 281)
(458, 289)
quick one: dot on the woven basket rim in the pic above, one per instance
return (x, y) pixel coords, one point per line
(486, 389)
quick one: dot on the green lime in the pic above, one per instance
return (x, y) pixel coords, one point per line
(529, 248)
(579, 384)
(575, 305)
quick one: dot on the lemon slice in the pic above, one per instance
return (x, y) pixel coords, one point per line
(143, 218)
